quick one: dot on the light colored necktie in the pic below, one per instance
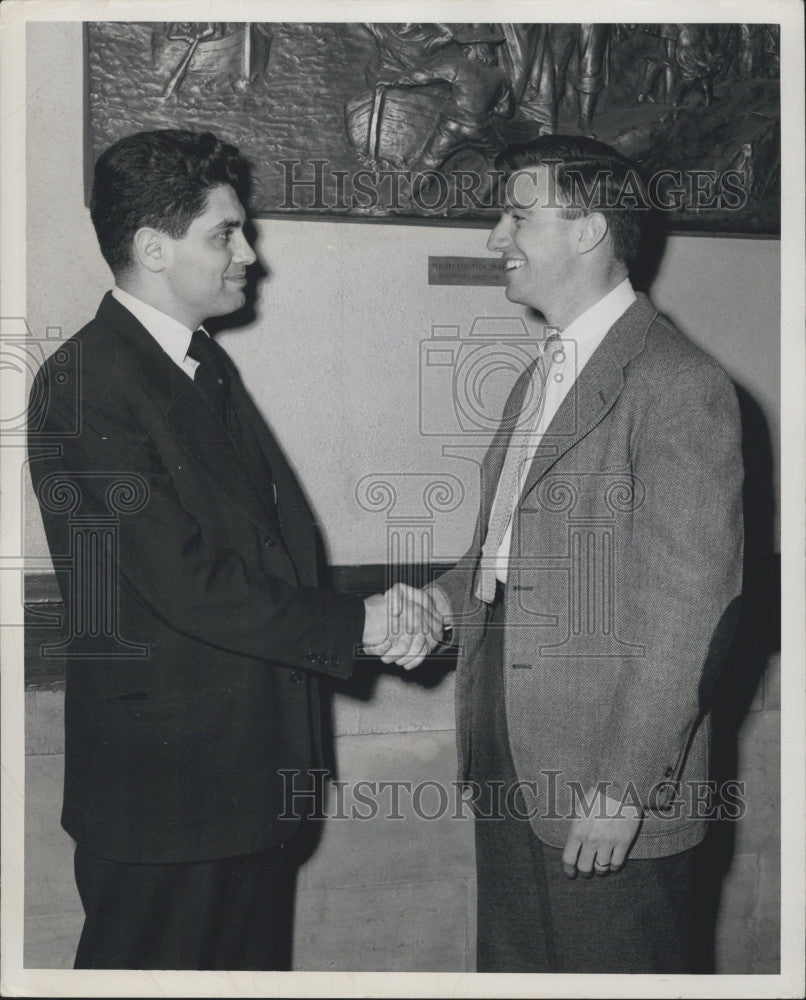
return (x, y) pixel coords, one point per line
(509, 483)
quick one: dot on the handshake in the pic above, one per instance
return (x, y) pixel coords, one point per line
(405, 624)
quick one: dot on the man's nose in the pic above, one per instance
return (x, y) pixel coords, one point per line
(500, 237)
(244, 254)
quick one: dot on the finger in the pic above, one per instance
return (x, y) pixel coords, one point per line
(570, 855)
(410, 596)
(601, 863)
(415, 662)
(618, 857)
(395, 601)
(379, 649)
(585, 860)
(419, 620)
(417, 651)
(415, 618)
(423, 599)
(430, 644)
(400, 646)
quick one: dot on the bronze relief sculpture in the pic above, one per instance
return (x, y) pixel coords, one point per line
(403, 121)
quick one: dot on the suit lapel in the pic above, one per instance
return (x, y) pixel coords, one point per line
(293, 509)
(186, 414)
(193, 421)
(289, 493)
(595, 391)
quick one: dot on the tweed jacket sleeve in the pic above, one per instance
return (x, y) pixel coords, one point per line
(682, 580)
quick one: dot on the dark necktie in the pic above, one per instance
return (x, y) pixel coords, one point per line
(211, 378)
(213, 382)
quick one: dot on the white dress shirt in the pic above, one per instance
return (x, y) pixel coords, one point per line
(566, 357)
(172, 336)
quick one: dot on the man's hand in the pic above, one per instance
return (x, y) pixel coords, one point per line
(601, 841)
(403, 625)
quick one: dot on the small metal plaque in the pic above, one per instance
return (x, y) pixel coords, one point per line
(466, 271)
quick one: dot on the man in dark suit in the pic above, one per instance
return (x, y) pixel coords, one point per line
(180, 719)
(595, 605)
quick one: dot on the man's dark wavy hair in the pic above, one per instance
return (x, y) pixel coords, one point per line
(160, 179)
(588, 176)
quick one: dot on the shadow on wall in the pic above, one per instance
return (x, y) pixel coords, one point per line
(646, 265)
(757, 637)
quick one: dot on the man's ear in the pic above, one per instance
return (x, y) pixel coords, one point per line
(592, 230)
(151, 249)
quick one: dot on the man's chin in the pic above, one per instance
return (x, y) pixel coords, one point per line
(513, 295)
(234, 302)
(522, 295)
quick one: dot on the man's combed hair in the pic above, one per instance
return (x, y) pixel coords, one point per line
(158, 179)
(588, 176)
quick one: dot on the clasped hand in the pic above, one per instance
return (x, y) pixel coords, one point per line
(403, 625)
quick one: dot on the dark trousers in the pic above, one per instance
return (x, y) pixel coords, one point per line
(231, 913)
(531, 917)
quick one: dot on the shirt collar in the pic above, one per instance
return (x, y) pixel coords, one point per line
(172, 336)
(588, 330)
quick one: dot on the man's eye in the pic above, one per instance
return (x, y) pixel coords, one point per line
(224, 236)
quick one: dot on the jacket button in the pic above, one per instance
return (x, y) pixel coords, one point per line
(668, 772)
(269, 542)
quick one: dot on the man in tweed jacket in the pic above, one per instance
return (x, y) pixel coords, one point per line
(595, 605)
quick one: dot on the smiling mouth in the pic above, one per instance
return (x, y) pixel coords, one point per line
(513, 263)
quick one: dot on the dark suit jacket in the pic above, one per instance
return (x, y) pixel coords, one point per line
(174, 756)
(623, 583)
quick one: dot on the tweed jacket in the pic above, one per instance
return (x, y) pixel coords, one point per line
(623, 585)
(173, 751)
